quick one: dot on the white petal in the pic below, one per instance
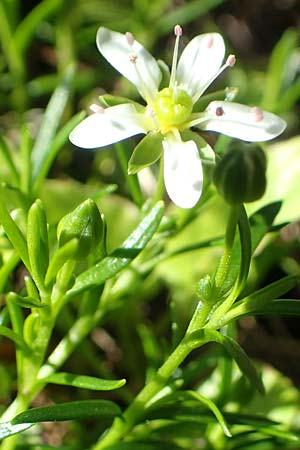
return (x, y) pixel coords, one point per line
(182, 172)
(105, 128)
(199, 63)
(144, 73)
(242, 122)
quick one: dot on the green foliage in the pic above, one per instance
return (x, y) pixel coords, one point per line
(121, 315)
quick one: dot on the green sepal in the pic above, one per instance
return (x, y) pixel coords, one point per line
(85, 224)
(147, 152)
(108, 100)
(37, 242)
(228, 94)
(83, 381)
(166, 75)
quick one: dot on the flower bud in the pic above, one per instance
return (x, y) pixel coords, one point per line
(240, 175)
(85, 224)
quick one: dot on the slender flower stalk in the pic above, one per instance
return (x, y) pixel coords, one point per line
(171, 112)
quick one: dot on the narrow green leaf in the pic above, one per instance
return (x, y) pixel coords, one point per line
(14, 234)
(10, 334)
(260, 223)
(263, 425)
(7, 268)
(5, 152)
(279, 434)
(239, 355)
(84, 382)
(121, 257)
(280, 307)
(52, 116)
(280, 54)
(84, 409)
(58, 142)
(8, 429)
(214, 409)
(25, 149)
(62, 255)
(27, 28)
(258, 300)
(37, 242)
(24, 302)
(147, 152)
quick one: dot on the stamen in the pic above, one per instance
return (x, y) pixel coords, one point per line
(231, 60)
(229, 63)
(219, 111)
(178, 33)
(129, 38)
(178, 30)
(133, 57)
(97, 108)
(210, 41)
(257, 113)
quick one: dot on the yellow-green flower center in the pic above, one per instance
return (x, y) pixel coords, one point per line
(173, 107)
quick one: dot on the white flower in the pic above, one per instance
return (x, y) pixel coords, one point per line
(169, 112)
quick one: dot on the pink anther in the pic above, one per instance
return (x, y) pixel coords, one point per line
(231, 60)
(258, 114)
(178, 30)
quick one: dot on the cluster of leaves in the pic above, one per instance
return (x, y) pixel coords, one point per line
(85, 269)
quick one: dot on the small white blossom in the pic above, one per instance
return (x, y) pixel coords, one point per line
(169, 111)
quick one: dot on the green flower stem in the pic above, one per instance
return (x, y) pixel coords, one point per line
(123, 425)
(200, 315)
(246, 253)
(80, 330)
(30, 364)
(131, 180)
(229, 240)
